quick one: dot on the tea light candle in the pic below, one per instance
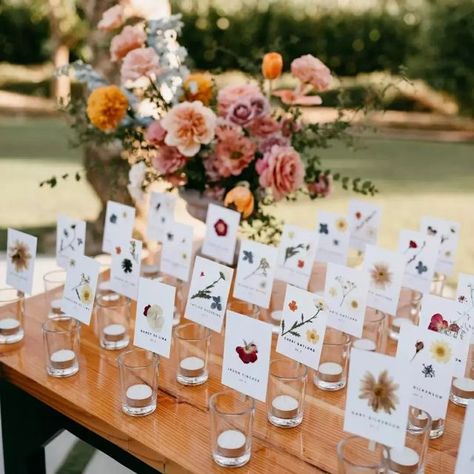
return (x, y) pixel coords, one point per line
(105, 286)
(285, 406)
(276, 316)
(9, 325)
(330, 371)
(404, 460)
(150, 270)
(231, 443)
(62, 359)
(463, 387)
(114, 332)
(191, 366)
(364, 344)
(139, 395)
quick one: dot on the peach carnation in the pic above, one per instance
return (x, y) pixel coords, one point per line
(130, 38)
(106, 107)
(139, 63)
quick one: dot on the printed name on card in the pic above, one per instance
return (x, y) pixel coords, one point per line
(222, 225)
(255, 273)
(420, 252)
(364, 222)
(177, 251)
(246, 360)
(303, 326)
(378, 398)
(431, 357)
(333, 232)
(21, 255)
(154, 316)
(386, 270)
(208, 293)
(118, 226)
(160, 215)
(448, 233)
(80, 288)
(465, 460)
(125, 268)
(345, 295)
(70, 239)
(296, 254)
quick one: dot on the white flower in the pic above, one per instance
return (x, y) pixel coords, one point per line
(136, 176)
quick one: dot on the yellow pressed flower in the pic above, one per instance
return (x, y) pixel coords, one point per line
(312, 336)
(198, 86)
(441, 351)
(354, 304)
(332, 292)
(86, 294)
(106, 107)
(341, 225)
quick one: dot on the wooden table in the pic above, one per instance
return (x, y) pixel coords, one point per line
(174, 439)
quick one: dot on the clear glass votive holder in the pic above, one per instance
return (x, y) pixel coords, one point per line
(54, 282)
(332, 372)
(274, 313)
(113, 320)
(61, 336)
(462, 388)
(373, 333)
(411, 458)
(437, 284)
(420, 418)
(150, 270)
(318, 277)
(242, 307)
(12, 310)
(232, 416)
(181, 295)
(408, 312)
(139, 373)
(192, 347)
(356, 455)
(286, 391)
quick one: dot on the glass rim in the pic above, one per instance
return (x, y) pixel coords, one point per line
(298, 367)
(381, 316)
(19, 295)
(154, 360)
(54, 272)
(255, 309)
(247, 399)
(75, 324)
(429, 419)
(344, 442)
(347, 340)
(206, 331)
(101, 294)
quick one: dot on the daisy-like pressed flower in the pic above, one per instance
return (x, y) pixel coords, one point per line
(381, 275)
(312, 336)
(85, 294)
(341, 225)
(332, 292)
(354, 304)
(380, 393)
(440, 351)
(19, 254)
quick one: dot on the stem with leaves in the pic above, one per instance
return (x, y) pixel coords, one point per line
(297, 324)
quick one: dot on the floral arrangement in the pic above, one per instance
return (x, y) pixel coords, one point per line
(245, 145)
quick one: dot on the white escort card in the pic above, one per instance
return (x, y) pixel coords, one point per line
(246, 360)
(160, 215)
(303, 326)
(70, 239)
(386, 270)
(222, 225)
(118, 226)
(255, 273)
(80, 288)
(296, 254)
(364, 222)
(421, 253)
(345, 295)
(125, 268)
(431, 357)
(154, 316)
(21, 255)
(177, 251)
(448, 233)
(333, 231)
(378, 398)
(465, 296)
(465, 460)
(208, 293)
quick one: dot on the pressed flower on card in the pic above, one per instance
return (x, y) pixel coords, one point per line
(381, 275)
(20, 256)
(248, 352)
(380, 392)
(154, 316)
(312, 336)
(441, 351)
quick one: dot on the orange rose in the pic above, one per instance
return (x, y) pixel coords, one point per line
(272, 65)
(241, 199)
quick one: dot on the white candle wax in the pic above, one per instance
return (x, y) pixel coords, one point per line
(276, 315)
(285, 406)
(330, 371)
(364, 344)
(463, 387)
(139, 395)
(397, 323)
(192, 366)
(114, 332)
(404, 460)
(9, 325)
(148, 269)
(105, 286)
(231, 443)
(62, 358)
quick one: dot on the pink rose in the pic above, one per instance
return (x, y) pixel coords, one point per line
(245, 110)
(155, 133)
(268, 143)
(189, 125)
(167, 160)
(139, 63)
(264, 126)
(311, 70)
(322, 187)
(111, 19)
(289, 127)
(281, 170)
(130, 38)
(229, 94)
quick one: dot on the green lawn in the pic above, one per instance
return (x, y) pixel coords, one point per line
(415, 178)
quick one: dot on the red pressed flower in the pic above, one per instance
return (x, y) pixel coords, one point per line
(247, 352)
(292, 305)
(202, 274)
(358, 215)
(454, 328)
(145, 309)
(300, 263)
(437, 323)
(221, 228)
(413, 244)
(118, 250)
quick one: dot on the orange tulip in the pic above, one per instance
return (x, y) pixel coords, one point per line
(241, 199)
(272, 65)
